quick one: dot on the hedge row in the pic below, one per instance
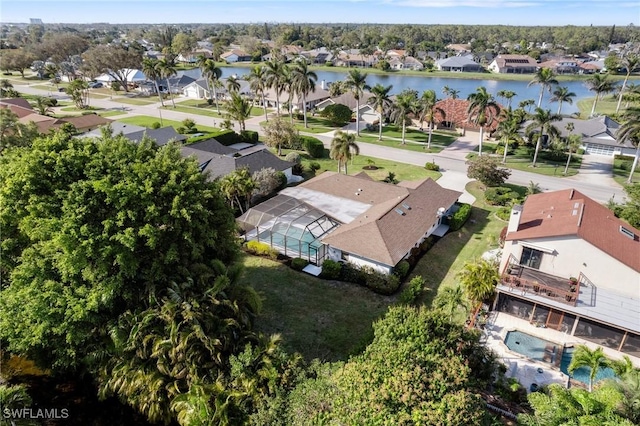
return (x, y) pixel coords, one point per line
(365, 276)
(313, 146)
(460, 217)
(262, 249)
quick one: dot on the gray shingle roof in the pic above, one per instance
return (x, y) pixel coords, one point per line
(162, 136)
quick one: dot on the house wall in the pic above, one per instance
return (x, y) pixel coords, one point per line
(193, 92)
(231, 58)
(573, 255)
(361, 261)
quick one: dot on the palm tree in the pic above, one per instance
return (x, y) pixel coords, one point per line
(238, 108)
(508, 130)
(562, 94)
(5, 87)
(546, 78)
(527, 103)
(406, 104)
(600, 84)
(482, 110)
(542, 119)
(573, 144)
(275, 73)
(212, 73)
(233, 84)
(630, 62)
(478, 280)
(357, 83)
(450, 299)
(380, 101)
(450, 92)
(630, 132)
(304, 82)
(428, 110)
(258, 85)
(152, 72)
(167, 70)
(43, 105)
(508, 95)
(342, 146)
(585, 357)
(628, 384)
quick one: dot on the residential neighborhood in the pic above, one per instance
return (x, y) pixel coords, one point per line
(288, 224)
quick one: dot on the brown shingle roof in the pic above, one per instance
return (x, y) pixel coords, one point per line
(89, 121)
(571, 213)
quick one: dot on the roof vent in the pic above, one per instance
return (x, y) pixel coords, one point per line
(400, 212)
(627, 232)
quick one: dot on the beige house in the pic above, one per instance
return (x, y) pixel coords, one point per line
(570, 265)
(513, 64)
(351, 219)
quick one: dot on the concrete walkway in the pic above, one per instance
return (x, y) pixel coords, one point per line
(596, 169)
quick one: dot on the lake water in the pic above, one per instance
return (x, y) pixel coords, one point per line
(466, 87)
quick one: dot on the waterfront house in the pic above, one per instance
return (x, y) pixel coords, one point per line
(458, 64)
(513, 64)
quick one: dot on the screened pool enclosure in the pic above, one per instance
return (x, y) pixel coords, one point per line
(290, 226)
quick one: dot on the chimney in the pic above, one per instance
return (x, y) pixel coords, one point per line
(514, 220)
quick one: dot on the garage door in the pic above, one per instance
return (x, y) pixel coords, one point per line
(593, 148)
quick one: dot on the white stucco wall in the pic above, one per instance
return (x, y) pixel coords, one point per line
(573, 255)
(361, 261)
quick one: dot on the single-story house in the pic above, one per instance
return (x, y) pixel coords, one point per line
(561, 65)
(405, 63)
(366, 112)
(352, 59)
(162, 136)
(235, 55)
(312, 99)
(458, 64)
(456, 116)
(513, 64)
(351, 219)
(131, 75)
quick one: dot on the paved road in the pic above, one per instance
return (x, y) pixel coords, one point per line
(451, 161)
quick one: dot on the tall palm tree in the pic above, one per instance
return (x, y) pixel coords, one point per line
(152, 72)
(406, 104)
(275, 73)
(233, 84)
(546, 78)
(630, 132)
(212, 73)
(450, 300)
(508, 130)
(258, 85)
(43, 105)
(380, 101)
(357, 82)
(450, 92)
(478, 280)
(167, 70)
(238, 108)
(573, 144)
(592, 359)
(542, 119)
(527, 103)
(630, 62)
(508, 95)
(343, 146)
(628, 384)
(482, 110)
(600, 84)
(427, 111)
(304, 82)
(561, 95)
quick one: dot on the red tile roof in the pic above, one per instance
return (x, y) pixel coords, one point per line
(571, 213)
(456, 112)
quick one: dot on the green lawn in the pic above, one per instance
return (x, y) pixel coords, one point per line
(329, 320)
(136, 101)
(147, 121)
(111, 113)
(401, 170)
(522, 158)
(446, 258)
(415, 141)
(621, 170)
(193, 110)
(315, 125)
(606, 106)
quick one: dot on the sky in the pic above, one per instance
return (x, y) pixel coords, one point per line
(465, 12)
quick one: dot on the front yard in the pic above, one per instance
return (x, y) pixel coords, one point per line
(148, 121)
(622, 168)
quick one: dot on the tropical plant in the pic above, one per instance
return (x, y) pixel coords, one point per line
(573, 144)
(43, 105)
(233, 84)
(628, 384)
(151, 70)
(450, 300)
(482, 111)
(630, 132)
(450, 92)
(600, 84)
(343, 146)
(357, 82)
(427, 111)
(546, 78)
(167, 70)
(276, 75)
(380, 101)
(591, 359)
(630, 62)
(533, 188)
(542, 119)
(212, 73)
(486, 169)
(478, 280)
(77, 91)
(258, 85)
(562, 94)
(238, 187)
(304, 82)
(508, 95)
(279, 133)
(405, 106)
(508, 130)
(5, 87)
(238, 108)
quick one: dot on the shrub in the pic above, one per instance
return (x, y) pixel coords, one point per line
(460, 217)
(353, 274)
(314, 166)
(313, 146)
(262, 249)
(181, 130)
(414, 289)
(426, 245)
(330, 270)
(282, 178)
(155, 125)
(227, 137)
(486, 169)
(402, 269)
(580, 151)
(432, 166)
(500, 196)
(293, 157)
(249, 136)
(504, 213)
(190, 125)
(209, 101)
(338, 114)
(299, 263)
(379, 282)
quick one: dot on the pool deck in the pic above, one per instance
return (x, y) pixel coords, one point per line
(519, 366)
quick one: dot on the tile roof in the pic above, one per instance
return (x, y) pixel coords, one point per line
(571, 213)
(456, 112)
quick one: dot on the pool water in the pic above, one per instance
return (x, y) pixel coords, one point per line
(532, 347)
(582, 373)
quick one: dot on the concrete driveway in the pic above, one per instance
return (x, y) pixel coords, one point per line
(596, 170)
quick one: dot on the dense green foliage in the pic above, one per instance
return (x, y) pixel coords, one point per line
(413, 290)
(338, 114)
(486, 170)
(500, 196)
(459, 218)
(313, 146)
(299, 263)
(331, 269)
(261, 249)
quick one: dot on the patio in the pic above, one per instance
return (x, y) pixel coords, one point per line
(529, 280)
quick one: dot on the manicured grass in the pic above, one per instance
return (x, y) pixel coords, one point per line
(402, 171)
(621, 170)
(606, 106)
(73, 108)
(136, 101)
(147, 121)
(329, 320)
(111, 113)
(315, 125)
(201, 107)
(194, 110)
(440, 265)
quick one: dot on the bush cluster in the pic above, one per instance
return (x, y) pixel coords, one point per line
(364, 276)
(432, 166)
(338, 114)
(249, 136)
(500, 195)
(402, 269)
(262, 249)
(331, 270)
(299, 263)
(293, 157)
(313, 146)
(460, 217)
(412, 292)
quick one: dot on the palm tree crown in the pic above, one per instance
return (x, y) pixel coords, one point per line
(600, 84)
(585, 357)
(546, 78)
(212, 73)
(630, 62)
(561, 95)
(303, 83)
(630, 132)
(542, 119)
(258, 84)
(167, 70)
(406, 104)
(427, 111)
(343, 146)
(357, 83)
(482, 110)
(151, 70)
(380, 101)
(276, 76)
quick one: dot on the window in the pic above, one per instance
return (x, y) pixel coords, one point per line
(531, 257)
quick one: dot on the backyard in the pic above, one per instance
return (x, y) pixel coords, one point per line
(622, 168)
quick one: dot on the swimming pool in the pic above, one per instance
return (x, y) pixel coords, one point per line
(532, 347)
(582, 373)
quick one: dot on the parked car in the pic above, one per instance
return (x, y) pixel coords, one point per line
(95, 85)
